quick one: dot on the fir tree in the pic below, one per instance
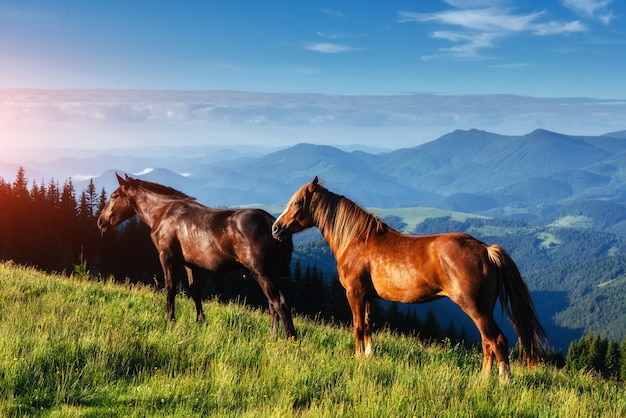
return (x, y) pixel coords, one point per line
(612, 360)
(622, 367)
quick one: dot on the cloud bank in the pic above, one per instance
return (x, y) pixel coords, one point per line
(114, 118)
(475, 26)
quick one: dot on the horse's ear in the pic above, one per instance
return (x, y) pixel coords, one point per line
(120, 180)
(313, 184)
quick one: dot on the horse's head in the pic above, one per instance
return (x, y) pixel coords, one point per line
(297, 215)
(118, 208)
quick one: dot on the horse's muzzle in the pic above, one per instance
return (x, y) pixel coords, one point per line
(102, 226)
(278, 231)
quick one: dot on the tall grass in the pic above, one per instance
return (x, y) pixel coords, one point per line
(74, 347)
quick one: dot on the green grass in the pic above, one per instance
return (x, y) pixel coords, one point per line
(74, 347)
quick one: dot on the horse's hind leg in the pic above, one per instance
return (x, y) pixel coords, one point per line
(494, 343)
(285, 316)
(275, 319)
(277, 305)
(195, 289)
(284, 313)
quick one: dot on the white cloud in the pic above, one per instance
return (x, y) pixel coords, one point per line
(334, 13)
(490, 19)
(472, 3)
(300, 70)
(556, 28)
(338, 35)
(467, 45)
(511, 66)
(595, 9)
(329, 48)
(144, 171)
(26, 13)
(475, 29)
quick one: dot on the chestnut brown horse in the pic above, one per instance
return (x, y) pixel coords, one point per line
(188, 233)
(373, 260)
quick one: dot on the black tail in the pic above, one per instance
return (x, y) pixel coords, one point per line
(516, 301)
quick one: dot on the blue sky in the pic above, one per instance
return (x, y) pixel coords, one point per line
(557, 48)
(463, 64)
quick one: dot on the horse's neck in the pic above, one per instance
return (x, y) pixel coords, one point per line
(149, 206)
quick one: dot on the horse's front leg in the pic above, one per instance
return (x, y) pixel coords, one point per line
(195, 288)
(357, 305)
(170, 285)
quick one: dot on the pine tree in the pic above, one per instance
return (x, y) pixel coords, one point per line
(88, 202)
(622, 366)
(20, 185)
(574, 356)
(597, 354)
(338, 306)
(430, 326)
(5, 197)
(19, 212)
(395, 320)
(414, 322)
(612, 360)
(102, 201)
(450, 333)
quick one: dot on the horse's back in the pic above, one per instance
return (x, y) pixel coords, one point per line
(256, 222)
(458, 253)
(215, 238)
(253, 229)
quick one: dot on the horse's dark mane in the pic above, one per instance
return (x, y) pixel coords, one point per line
(343, 219)
(160, 189)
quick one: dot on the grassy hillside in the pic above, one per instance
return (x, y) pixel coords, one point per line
(73, 347)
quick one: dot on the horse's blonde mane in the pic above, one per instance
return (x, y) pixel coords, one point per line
(341, 221)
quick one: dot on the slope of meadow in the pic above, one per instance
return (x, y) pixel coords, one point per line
(79, 347)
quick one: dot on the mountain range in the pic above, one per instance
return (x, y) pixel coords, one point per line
(466, 171)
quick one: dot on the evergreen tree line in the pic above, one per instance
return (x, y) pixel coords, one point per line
(47, 226)
(600, 355)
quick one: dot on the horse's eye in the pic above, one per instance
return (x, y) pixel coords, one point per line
(298, 203)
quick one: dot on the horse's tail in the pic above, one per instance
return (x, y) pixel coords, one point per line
(516, 301)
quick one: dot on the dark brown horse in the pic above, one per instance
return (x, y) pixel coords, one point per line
(373, 260)
(185, 232)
